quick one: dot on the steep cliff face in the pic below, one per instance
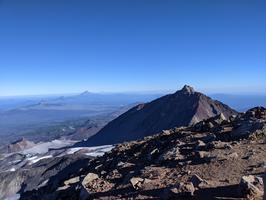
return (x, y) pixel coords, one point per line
(184, 107)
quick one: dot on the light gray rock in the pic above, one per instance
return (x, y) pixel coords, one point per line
(183, 189)
(233, 156)
(172, 154)
(136, 182)
(84, 192)
(200, 144)
(72, 180)
(251, 187)
(220, 118)
(90, 177)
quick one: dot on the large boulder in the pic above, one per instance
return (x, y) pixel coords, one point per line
(138, 182)
(85, 192)
(183, 189)
(92, 184)
(251, 187)
(198, 181)
(90, 177)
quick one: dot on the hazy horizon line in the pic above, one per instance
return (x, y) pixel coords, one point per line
(136, 92)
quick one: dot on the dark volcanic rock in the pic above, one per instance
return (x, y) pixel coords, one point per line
(183, 108)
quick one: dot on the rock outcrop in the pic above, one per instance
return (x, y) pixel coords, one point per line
(19, 145)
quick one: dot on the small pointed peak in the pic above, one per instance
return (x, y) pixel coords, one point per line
(188, 89)
(85, 92)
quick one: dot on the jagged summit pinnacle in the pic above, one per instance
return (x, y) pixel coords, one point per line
(188, 89)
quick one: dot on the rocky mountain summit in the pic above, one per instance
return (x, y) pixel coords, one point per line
(217, 158)
(183, 108)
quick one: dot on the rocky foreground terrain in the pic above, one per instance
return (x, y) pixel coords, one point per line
(217, 158)
(34, 167)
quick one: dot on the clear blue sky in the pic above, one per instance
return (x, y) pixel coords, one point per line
(53, 46)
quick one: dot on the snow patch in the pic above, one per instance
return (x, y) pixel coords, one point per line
(14, 197)
(44, 183)
(74, 150)
(44, 147)
(35, 159)
(12, 169)
(14, 162)
(99, 150)
(92, 151)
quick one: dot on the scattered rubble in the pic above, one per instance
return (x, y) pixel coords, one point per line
(217, 162)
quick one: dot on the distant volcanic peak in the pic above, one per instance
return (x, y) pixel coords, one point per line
(187, 90)
(85, 93)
